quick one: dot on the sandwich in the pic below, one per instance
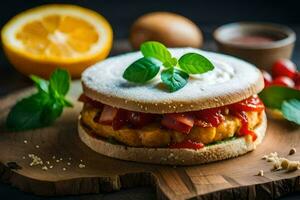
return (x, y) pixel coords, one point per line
(217, 115)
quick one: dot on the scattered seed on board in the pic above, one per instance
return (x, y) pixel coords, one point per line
(292, 151)
(260, 173)
(51, 166)
(68, 163)
(284, 163)
(60, 159)
(45, 168)
(37, 146)
(57, 161)
(64, 169)
(81, 166)
(293, 166)
(276, 166)
(53, 157)
(23, 157)
(25, 141)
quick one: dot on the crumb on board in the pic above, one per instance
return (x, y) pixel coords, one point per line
(281, 163)
(81, 166)
(260, 173)
(35, 160)
(292, 151)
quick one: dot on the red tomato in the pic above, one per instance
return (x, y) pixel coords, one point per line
(284, 67)
(188, 144)
(107, 115)
(252, 103)
(297, 87)
(138, 119)
(297, 78)
(283, 81)
(180, 122)
(212, 116)
(267, 77)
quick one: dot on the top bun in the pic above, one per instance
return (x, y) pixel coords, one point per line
(231, 81)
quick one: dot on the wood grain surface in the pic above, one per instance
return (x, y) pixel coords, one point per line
(229, 179)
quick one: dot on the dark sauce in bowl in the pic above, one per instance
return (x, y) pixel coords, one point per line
(254, 39)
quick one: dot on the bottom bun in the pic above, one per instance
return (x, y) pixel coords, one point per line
(220, 151)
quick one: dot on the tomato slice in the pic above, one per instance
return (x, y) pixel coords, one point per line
(213, 117)
(252, 103)
(181, 122)
(107, 115)
(187, 144)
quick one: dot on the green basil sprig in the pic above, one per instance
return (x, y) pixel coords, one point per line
(176, 73)
(42, 108)
(285, 99)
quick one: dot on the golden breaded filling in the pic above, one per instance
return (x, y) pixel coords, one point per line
(152, 135)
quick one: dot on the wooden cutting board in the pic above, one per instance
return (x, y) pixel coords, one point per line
(230, 179)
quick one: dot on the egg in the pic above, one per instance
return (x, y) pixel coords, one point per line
(171, 29)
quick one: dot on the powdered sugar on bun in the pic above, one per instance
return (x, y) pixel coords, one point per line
(232, 80)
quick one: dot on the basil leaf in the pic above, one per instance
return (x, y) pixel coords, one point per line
(274, 96)
(28, 113)
(40, 83)
(156, 50)
(291, 110)
(59, 82)
(174, 79)
(193, 63)
(170, 63)
(67, 103)
(142, 70)
(51, 112)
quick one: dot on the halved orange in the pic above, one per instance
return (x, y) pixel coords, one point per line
(44, 38)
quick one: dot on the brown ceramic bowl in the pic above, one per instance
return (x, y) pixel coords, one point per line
(259, 43)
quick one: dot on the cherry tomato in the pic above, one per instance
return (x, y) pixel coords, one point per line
(297, 87)
(187, 144)
(297, 78)
(284, 67)
(283, 81)
(267, 77)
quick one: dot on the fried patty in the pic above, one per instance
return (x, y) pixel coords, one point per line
(153, 135)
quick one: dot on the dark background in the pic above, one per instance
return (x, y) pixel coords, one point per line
(207, 14)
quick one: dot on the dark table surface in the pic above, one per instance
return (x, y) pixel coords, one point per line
(11, 81)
